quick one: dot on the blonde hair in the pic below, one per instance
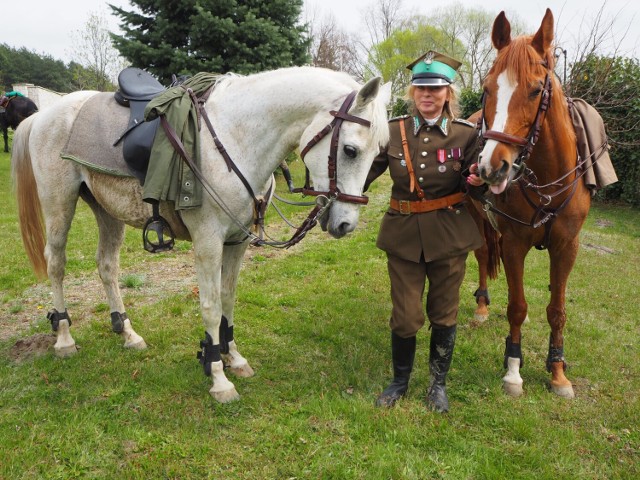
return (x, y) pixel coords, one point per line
(451, 107)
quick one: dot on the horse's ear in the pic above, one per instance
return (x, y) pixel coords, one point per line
(544, 36)
(501, 33)
(368, 92)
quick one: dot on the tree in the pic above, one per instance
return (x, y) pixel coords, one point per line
(390, 57)
(467, 34)
(24, 66)
(331, 47)
(96, 63)
(186, 36)
(383, 19)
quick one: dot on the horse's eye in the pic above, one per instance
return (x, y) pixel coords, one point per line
(350, 151)
(536, 90)
(535, 93)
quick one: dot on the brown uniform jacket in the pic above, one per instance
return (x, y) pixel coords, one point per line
(441, 233)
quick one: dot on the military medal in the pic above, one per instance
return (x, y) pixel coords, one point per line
(457, 166)
(441, 156)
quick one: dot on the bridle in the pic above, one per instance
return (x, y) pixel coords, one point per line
(527, 143)
(324, 199)
(339, 117)
(526, 178)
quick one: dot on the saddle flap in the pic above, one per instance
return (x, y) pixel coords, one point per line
(137, 85)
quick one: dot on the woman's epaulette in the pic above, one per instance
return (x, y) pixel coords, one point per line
(464, 122)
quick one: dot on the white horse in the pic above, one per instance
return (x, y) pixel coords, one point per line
(259, 119)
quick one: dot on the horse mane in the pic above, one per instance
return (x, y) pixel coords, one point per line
(521, 61)
(379, 120)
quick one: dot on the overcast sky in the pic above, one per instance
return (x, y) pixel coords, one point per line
(47, 26)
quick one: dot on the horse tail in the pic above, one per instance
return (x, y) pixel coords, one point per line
(492, 239)
(29, 208)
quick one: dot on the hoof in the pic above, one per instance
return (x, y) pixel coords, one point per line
(137, 345)
(226, 396)
(66, 351)
(512, 389)
(564, 391)
(479, 318)
(244, 371)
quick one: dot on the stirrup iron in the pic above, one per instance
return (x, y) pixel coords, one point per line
(161, 228)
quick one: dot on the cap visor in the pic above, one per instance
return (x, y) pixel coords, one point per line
(430, 82)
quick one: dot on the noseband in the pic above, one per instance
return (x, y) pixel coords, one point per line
(339, 117)
(526, 144)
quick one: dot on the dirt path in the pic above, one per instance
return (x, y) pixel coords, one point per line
(172, 275)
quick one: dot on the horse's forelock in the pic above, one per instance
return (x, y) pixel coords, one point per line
(520, 60)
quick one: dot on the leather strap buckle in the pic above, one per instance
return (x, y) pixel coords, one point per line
(404, 207)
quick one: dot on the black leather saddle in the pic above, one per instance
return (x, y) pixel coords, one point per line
(136, 88)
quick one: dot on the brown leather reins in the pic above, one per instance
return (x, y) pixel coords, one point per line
(325, 199)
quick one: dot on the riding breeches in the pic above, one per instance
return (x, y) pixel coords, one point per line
(407, 290)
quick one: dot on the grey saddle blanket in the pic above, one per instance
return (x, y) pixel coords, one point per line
(592, 144)
(100, 122)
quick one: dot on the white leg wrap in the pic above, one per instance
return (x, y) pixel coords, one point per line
(131, 338)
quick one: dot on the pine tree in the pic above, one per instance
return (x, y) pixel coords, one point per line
(188, 36)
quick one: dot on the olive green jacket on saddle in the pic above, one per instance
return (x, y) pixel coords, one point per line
(168, 177)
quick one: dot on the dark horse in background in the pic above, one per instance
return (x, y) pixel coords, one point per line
(4, 126)
(13, 111)
(543, 203)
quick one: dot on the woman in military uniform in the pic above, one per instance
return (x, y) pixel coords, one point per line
(427, 231)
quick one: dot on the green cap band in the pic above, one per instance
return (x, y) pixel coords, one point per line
(435, 68)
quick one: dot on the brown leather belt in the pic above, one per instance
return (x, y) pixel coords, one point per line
(407, 207)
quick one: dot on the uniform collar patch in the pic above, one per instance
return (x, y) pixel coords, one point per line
(418, 123)
(444, 125)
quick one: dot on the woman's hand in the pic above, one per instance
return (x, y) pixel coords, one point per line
(473, 179)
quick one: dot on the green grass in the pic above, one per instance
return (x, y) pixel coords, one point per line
(132, 280)
(313, 323)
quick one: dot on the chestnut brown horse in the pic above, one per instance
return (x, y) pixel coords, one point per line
(541, 203)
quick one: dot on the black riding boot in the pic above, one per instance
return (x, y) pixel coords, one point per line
(442, 342)
(403, 351)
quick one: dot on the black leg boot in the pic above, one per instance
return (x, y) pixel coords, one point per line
(403, 351)
(440, 354)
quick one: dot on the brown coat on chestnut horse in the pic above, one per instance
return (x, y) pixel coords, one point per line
(544, 203)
